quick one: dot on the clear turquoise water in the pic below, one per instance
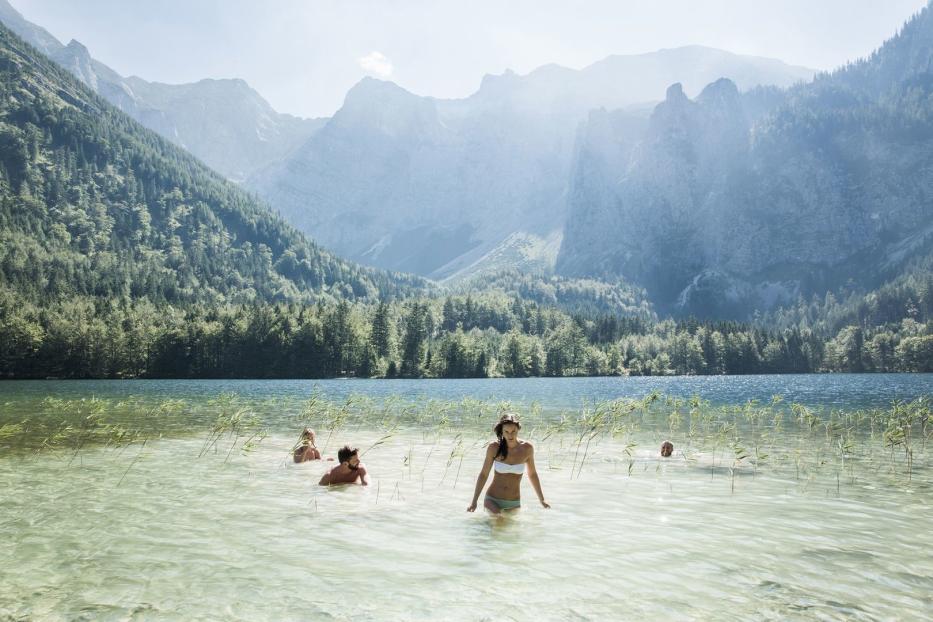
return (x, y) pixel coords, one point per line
(829, 390)
(156, 532)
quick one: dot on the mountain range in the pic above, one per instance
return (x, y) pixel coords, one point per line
(93, 205)
(732, 202)
(721, 184)
(447, 188)
(442, 188)
(225, 123)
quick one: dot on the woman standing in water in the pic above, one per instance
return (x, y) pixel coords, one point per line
(509, 456)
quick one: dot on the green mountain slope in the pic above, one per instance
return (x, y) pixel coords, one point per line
(93, 204)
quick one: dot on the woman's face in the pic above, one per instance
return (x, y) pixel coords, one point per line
(510, 432)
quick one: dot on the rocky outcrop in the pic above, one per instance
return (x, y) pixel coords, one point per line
(433, 186)
(225, 123)
(413, 183)
(729, 204)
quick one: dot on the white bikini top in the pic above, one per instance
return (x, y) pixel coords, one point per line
(502, 467)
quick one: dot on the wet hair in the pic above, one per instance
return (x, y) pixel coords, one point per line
(667, 448)
(503, 420)
(345, 453)
(307, 435)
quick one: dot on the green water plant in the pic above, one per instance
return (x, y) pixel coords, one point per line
(796, 441)
(235, 422)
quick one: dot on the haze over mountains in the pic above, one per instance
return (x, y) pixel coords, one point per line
(729, 202)
(94, 205)
(224, 122)
(447, 187)
(434, 187)
(744, 189)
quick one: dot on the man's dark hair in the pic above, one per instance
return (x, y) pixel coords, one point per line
(345, 453)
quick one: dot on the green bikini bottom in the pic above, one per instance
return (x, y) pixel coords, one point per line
(505, 504)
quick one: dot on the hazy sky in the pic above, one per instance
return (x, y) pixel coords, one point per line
(303, 55)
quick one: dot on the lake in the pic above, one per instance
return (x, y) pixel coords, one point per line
(149, 500)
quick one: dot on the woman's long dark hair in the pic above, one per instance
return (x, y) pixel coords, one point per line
(503, 446)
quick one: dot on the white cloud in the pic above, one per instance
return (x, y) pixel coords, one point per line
(376, 63)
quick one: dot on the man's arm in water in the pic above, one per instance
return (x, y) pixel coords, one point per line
(325, 480)
(364, 476)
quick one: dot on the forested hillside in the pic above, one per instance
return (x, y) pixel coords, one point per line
(887, 329)
(123, 256)
(94, 204)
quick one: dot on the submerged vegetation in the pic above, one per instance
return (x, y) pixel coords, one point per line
(786, 440)
(725, 439)
(67, 426)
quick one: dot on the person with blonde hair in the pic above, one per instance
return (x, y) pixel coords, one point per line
(306, 449)
(508, 457)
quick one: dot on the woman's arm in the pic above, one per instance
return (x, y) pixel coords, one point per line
(483, 474)
(533, 475)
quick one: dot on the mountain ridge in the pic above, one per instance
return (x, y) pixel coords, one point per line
(95, 204)
(201, 121)
(422, 184)
(723, 210)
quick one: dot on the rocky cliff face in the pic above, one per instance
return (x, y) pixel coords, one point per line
(414, 183)
(225, 123)
(730, 203)
(436, 186)
(653, 210)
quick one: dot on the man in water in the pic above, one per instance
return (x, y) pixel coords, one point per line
(349, 471)
(306, 449)
(667, 448)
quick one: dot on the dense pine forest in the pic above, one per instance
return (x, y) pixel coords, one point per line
(475, 335)
(123, 256)
(93, 204)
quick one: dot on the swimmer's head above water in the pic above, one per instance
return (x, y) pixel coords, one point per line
(305, 450)
(507, 432)
(508, 427)
(667, 448)
(349, 456)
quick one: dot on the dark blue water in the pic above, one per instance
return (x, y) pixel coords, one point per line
(826, 390)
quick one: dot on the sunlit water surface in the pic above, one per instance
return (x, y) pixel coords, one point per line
(166, 531)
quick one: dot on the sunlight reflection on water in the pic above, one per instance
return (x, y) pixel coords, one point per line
(252, 537)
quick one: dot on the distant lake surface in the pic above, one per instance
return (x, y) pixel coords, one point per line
(754, 517)
(818, 390)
